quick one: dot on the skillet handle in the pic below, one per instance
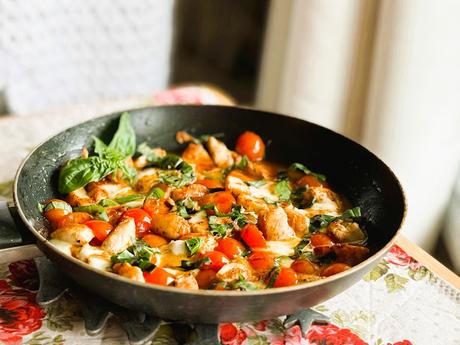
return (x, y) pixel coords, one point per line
(12, 231)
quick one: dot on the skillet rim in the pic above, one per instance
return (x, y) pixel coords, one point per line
(220, 293)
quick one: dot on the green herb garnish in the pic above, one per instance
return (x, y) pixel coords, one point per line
(95, 209)
(305, 170)
(257, 184)
(321, 221)
(129, 198)
(283, 190)
(190, 265)
(218, 229)
(193, 244)
(156, 193)
(139, 254)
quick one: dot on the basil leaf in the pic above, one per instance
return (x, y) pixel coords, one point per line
(190, 265)
(305, 170)
(283, 190)
(156, 193)
(275, 272)
(146, 151)
(129, 198)
(139, 254)
(242, 164)
(40, 207)
(257, 184)
(204, 138)
(298, 249)
(58, 204)
(243, 285)
(108, 203)
(95, 209)
(124, 139)
(193, 244)
(321, 221)
(99, 147)
(218, 229)
(78, 172)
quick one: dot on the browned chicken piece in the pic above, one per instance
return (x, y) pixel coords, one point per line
(235, 185)
(263, 170)
(199, 223)
(235, 270)
(193, 191)
(76, 234)
(197, 154)
(183, 137)
(186, 281)
(349, 254)
(220, 154)
(79, 197)
(297, 220)
(346, 232)
(326, 201)
(170, 226)
(128, 271)
(252, 204)
(121, 237)
(275, 226)
(242, 175)
(141, 161)
(146, 180)
(106, 190)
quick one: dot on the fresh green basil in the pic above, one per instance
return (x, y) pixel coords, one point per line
(129, 198)
(283, 190)
(321, 221)
(139, 254)
(190, 265)
(193, 244)
(156, 193)
(95, 209)
(218, 229)
(124, 139)
(305, 170)
(256, 184)
(149, 154)
(243, 285)
(108, 203)
(57, 204)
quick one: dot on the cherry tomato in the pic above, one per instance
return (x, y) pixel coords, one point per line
(318, 240)
(211, 184)
(252, 236)
(55, 215)
(74, 218)
(204, 278)
(158, 276)
(334, 269)
(286, 277)
(230, 247)
(141, 218)
(155, 206)
(154, 240)
(261, 261)
(303, 266)
(251, 145)
(222, 200)
(218, 260)
(311, 181)
(100, 228)
(228, 332)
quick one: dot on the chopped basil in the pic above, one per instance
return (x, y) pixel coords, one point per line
(156, 193)
(321, 221)
(95, 209)
(241, 165)
(298, 198)
(184, 174)
(129, 198)
(149, 154)
(139, 254)
(57, 204)
(218, 229)
(204, 137)
(243, 285)
(274, 273)
(191, 265)
(108, 203)
(299, 248)
(186, 206)
(305, 170)
(193, 244)
(283, 190)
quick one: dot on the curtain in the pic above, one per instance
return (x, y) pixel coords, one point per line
(385, 73)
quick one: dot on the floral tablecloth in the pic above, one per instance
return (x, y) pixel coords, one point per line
(400, 302)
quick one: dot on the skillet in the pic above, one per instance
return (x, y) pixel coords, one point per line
(351, 170)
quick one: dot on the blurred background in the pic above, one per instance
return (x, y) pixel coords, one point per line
(385, 73)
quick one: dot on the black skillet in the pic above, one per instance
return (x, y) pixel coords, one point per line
(351, 169)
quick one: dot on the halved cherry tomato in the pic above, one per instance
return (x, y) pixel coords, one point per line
(334, 269)
(261, 261)
(155, 206)
(55, 215)
(100, 228)
(204, 278)
(286, 277)
(230, 247)
(74, 218)
(218, 260)
(228, 332)
(251, 145)
(252, 236)
(141, 218)
(158, 276)
(318, 240)
(211, 184)
(303, 266)
(154, 240)
(222, 200)
(311, 181)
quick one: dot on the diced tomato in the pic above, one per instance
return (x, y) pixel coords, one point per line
(286, 277)
(303, 266)
(318, 240)
(251, 145)
(74, 218)
(100, 228)
(158, 276)
(252, 236)
(154, 240)
(261, 261)
(311, 181)
(334, 269)
(211, 184)
(222, 200)
(142, 220)
(155, 206)
(204, 278)
(228, 332)
(230, 247)
(218, 260)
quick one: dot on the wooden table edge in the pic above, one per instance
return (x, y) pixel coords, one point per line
(428, 261)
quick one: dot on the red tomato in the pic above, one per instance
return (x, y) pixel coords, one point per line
(158, 276)
(218, 260)
(154, 240)
(303, 266)
(230, 247)
(74, 218)
(286, 277)
(311, 181)
(251, 145)
(261, 261)
(252, 236)
(204, 278)
(211, 184)
(55, 215)
(100, 228)
(228, 331)
(222, 200)
(141, 218)
(319, 240)
(334, 269)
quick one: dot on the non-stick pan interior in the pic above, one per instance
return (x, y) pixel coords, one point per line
(350, 169)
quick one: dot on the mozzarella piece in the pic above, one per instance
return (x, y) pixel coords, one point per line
(63, 246)
(178, 247)
(101, 262)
